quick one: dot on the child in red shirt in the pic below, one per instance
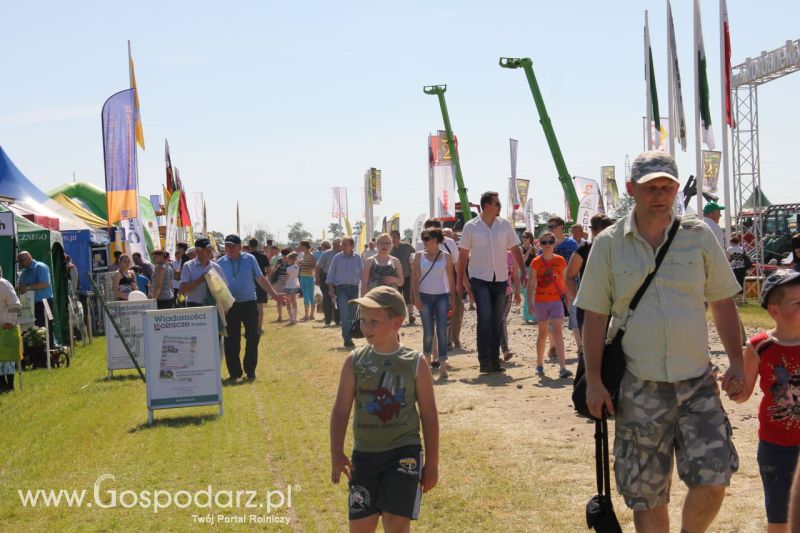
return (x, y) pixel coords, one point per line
(774, 357)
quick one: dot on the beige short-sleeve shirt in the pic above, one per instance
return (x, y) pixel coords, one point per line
(666, 338)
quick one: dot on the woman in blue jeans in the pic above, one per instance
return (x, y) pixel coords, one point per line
(433, 283)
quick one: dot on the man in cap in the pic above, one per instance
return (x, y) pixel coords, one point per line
(35, 276)
(242, 273)
(193, 274)
(668, 402)
(711, 215)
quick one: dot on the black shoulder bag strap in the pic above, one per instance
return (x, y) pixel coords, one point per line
(431, 267)
(646, 283)
(601, 457)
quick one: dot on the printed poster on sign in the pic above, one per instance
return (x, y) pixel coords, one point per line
(182, 357)
(610, 191)
(129, 317)
(518, 215)
(375, 185)
(27, 315)
(711, 162)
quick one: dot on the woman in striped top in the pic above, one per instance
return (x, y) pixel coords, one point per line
(308, 268)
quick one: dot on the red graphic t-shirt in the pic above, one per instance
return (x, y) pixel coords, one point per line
(779, 379)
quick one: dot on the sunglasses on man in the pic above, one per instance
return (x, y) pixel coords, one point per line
(545, 243)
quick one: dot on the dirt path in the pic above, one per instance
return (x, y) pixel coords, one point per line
(522, 409)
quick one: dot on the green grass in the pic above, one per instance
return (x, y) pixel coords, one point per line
(70, 426)
(754, 316)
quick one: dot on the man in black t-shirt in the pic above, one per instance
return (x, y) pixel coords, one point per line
(577, 263)
(261, 294)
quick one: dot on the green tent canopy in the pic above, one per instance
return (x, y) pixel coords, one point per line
(89, 196)
(46, 246)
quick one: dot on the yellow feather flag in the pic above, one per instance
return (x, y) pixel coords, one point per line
(166, 195)
(136, 112)
(348, 227)
(362, 239)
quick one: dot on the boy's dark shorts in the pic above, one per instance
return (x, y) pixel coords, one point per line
(776, 465)
(386, 482)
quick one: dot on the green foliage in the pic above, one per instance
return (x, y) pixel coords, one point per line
(298, 233)
(626, 204)
(335, 230)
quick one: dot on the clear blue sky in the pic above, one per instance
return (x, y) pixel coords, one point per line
(274, 103)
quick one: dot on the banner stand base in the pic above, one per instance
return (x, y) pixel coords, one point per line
(151, 413)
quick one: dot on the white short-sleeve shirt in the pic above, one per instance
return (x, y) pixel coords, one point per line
(448, 245)
(488, 248)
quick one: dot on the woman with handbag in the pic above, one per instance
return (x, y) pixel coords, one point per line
(547, 295)
(433, 280)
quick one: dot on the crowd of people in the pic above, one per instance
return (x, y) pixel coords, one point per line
(669, 404)
(668, 407)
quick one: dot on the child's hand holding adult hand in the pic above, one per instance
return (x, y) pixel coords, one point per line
(733, 385)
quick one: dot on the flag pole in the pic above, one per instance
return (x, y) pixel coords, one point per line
(670, 88)
(697, 96)
(726, 97)
(648, 128)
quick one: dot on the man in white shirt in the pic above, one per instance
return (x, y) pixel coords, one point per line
(485, 242)
(711, 215)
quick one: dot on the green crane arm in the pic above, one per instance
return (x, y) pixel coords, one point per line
(563, 174)
(439, 91)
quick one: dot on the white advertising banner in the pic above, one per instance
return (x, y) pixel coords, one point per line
(589, 195)
(442, 177)
(419, 224)
(7, 225)
(134, 236)
(182, 358)
(129, 316)
(194, 203)
(444, 189)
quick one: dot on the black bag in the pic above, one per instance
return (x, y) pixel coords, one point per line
(600, 514)
(355, 327)
(612, 367)
(748, 262)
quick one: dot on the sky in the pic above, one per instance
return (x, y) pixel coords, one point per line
(273, 103)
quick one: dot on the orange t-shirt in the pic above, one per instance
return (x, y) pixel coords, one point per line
(549, 282)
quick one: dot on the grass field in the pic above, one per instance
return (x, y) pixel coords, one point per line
(70, 426)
